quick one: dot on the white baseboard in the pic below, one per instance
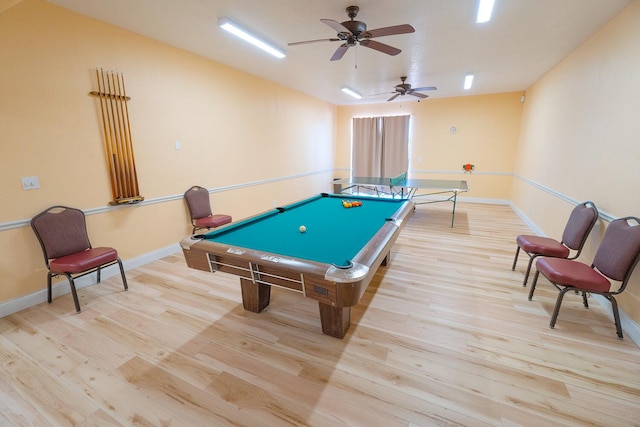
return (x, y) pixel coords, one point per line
(483, 200)
(62, 287)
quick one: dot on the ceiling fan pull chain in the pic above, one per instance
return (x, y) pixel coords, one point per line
(356, 55)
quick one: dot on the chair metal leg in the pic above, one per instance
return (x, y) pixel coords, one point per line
(533, 284)
(584, 299)
(98, 271)
(616, 315)
(513, 267)
(124, 278)
(73, 292)
(49, 277)
(526, 275)
(556, 309)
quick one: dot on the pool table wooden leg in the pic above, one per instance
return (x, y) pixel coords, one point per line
(385, 261)
(255, 296)
(335, 320)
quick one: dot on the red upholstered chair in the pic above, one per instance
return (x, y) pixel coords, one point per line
(200, 210)
(615, 260)
(62, 233)
(581, 221)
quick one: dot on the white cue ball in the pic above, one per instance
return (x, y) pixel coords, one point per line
(303, 228)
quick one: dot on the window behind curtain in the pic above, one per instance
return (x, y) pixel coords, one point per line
(380, 146)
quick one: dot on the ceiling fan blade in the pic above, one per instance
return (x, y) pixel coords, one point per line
(336, 26)
(381, 47)
(339, 53)
(393, 97)
(418, 94)
(314, 41)
(390, 31)
(426, 88)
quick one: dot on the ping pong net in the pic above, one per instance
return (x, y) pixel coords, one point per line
(398, 180)
(391, 187)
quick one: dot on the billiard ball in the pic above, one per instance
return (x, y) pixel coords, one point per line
(303, 228)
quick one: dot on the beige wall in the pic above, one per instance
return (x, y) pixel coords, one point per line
(487, 133)
(580, 137)
(262, 143)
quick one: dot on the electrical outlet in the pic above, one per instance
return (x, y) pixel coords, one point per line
(30, 182)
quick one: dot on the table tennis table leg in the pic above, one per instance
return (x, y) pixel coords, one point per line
(453, 214)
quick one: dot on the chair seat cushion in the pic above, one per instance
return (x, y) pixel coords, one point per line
(213, 221)
(83, 261)
(566, 272)
(543, 246)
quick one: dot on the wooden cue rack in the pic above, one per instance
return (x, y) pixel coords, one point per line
(117, 137)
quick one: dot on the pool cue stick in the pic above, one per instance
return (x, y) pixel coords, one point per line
(117, 143)
(133, 159)
(127, 144)
(112, 162)
(112, 170)
(121, 142)
(114, 157)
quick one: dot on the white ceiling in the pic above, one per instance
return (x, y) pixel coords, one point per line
(524, 40)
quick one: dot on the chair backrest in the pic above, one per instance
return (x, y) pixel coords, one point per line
(581, 221)
(619, 250)
(61, 231)
(198, 202)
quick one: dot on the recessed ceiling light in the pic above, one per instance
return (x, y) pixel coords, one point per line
(351, 92)
(484, 11)
(468, 81)
(246, 35)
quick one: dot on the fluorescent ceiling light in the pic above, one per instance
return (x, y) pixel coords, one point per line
(484, 11)
(351, 92)
(246, 35)
(468, 81)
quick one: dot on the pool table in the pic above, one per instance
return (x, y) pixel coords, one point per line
(332, 261)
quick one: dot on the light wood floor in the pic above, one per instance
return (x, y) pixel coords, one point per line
(444, 336)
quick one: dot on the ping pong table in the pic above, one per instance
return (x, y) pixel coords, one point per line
(405, 188)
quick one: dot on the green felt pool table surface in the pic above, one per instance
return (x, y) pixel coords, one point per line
(334, 234)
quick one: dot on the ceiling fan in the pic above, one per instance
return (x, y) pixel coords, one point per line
(405, 89)
(354, 32)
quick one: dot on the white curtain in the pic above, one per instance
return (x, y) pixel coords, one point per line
(380, 146)
(395, 146)
(367, 147)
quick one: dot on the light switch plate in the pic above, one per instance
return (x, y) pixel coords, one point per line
(30, 182)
